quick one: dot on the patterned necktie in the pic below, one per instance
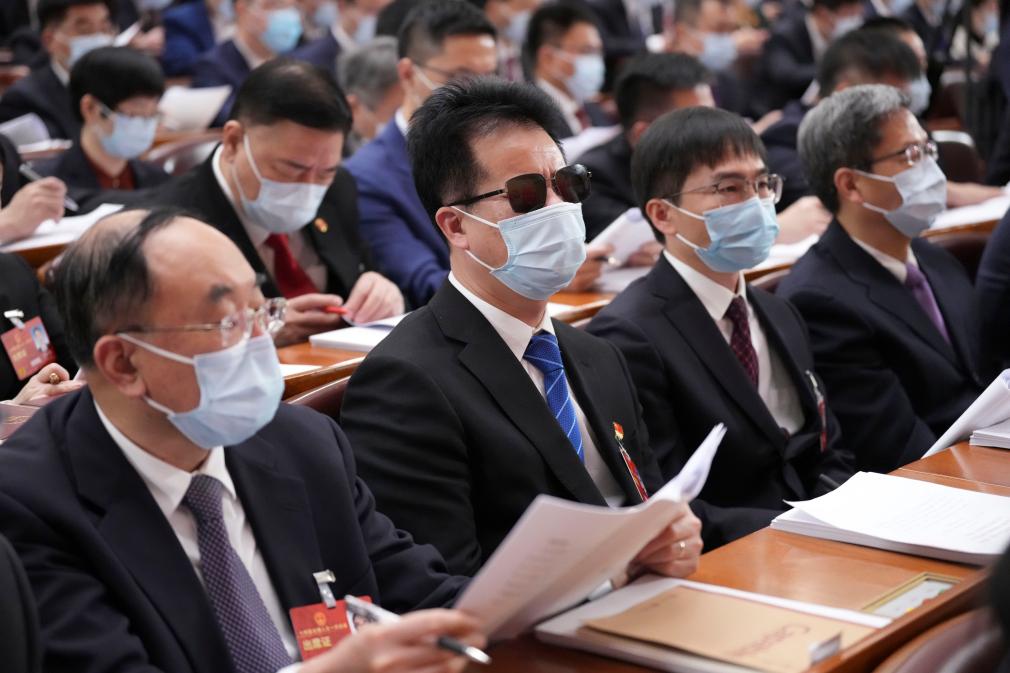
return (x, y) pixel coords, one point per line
(923, 293)
(544, 354)
(251, 636)
(740, 341)
(291, 278)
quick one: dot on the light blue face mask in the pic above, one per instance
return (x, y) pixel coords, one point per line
(919, 92)
(326, 15)
(846, 24)
(923, 190)
(153, 5)
(281, 207)
(990, 25)
(516, 30)
(240, 390)
(130, 136)
(82, 44)
(545, 248)
(587, 79)
(226, 11)
(718, 51)
(284, 27)
(365, 31)
(898, 7)
(741, 235)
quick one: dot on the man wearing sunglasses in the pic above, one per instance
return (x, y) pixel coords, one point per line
(892, 318)
(171, 514)
(703, 347)
(479, 402)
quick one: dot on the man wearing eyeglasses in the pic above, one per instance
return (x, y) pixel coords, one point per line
(703, 347)
(172, 513)
(892, 318)
(479, 402)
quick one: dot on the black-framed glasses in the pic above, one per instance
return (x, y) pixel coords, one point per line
(528, 192)
(913, 153)
(234, 328)
(734, 190)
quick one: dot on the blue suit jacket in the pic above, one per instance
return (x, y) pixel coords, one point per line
(894, 383)
(322, 52)
(114, 587)
(188, 35)
(221, 65)
(408, 248)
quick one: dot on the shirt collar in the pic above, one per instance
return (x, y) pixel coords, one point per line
(257, 234)
(344, 41)
(567, 104)
(251, 59)
(401, 121)
(167, 483)
(713, 296)
(895, 266)
(817, 41)
(61, 72)
(514, 332)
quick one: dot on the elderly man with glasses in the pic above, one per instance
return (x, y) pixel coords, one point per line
(703, 346)
(173, 513)
(479, 402)
(892, 318)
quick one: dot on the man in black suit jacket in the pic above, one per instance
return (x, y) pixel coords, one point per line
(992, 285)
(19, 623)
(109, 494)
(276, 188)
(24, 206)
(448, 414)
(892, 318)
(676, 332)
(67, 26)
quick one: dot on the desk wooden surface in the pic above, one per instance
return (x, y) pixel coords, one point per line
(818, 571)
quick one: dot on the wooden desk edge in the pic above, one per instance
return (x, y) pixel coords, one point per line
(299, 383)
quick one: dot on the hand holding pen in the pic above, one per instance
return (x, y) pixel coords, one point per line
(32, 205)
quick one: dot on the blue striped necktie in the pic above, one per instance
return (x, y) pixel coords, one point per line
(544, 354)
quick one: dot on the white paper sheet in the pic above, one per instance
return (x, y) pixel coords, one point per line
(560, 551)
(991, 407)
(64, 232)
(627, 233)
(987, 211)
(28, 129)
(292, 370)
(187, 109)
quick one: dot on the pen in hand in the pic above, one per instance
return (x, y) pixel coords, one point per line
(32, 175)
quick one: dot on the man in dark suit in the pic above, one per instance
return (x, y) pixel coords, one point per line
(705, 348)
(354, 27)
(892, 318)
(479, 402)
(25, 205)
(263, 30)
(165, 519)
(276, 188)
(19, 622)
(189, 33)
(115, 92)
(70, 28)
(993, 287)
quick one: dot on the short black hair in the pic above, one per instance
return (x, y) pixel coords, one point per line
(834, 5)
(680, 141)
(871, 53)
(432, 21)
(647, 80)
(549, 24)
(443, 129)
(392, 16)
(101, 284)
(51, 12)
(115, 74)
(889, 23)
(283, 89)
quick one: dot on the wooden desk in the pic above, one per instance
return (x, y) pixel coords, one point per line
(963, 462)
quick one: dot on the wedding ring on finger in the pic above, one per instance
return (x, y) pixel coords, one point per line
(681, 548)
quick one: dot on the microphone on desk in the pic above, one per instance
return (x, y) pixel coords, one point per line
(32, 175)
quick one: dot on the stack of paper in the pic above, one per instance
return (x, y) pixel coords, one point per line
(991, 407)
(64, 232)
(186, 109)
(996, 436)
(907, 516)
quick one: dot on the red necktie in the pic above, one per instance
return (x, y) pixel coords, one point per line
(291, 279)
(740, 340)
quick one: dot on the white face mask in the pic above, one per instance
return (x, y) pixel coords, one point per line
(923, 190)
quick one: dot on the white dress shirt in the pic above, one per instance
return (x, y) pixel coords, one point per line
(168, 485)
(895, 266)
(298, 241)
(817, 41)
(516, 334)
(61, 72)
(568, 105)
(775, 387)
(401, 121)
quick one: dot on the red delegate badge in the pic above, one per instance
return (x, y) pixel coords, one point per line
(28, 348)
(318, 628)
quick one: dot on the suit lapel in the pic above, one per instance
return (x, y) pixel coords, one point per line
(486, 356)
(325, 234)
(140, 536)
(956, 311)
(688, 316)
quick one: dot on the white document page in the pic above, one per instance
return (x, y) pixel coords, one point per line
(187, 109)
(64, 232)
(987, 211)
(27, 129)
(627, 233)
(915, 512)
(991, 407)
(995, 436)
(560, 551)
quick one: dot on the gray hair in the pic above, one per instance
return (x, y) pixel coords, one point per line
(844, 131)
(369, 71)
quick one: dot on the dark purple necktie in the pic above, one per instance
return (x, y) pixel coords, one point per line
(251, 636)
(919, 286)
(740, 340)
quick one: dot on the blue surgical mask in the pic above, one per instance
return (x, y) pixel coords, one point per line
(281, 207)
(82, 44)
(846, 24)
(365, 31)
(587, 79)
(923, 190)
(898, 7)
(919, 92)
(130, 136)
(153, 5)
(226, 11)
(326, 15)
(718, 51)
(516, 30)
(741, 234)
(990, 25)
(284, 27)
(545, 249)
(240, 390)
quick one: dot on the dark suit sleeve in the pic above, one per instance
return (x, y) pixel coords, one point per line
(82, 629)
(864, 392)
(413, 456)
(19, 623)
(410, 576)
(993, 289)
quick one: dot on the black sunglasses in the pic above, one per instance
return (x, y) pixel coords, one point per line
(528, 192)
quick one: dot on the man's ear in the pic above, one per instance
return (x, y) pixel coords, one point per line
(113, 360)
(450, 223)
(231, 139)
(662, 216)
(845, 185)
